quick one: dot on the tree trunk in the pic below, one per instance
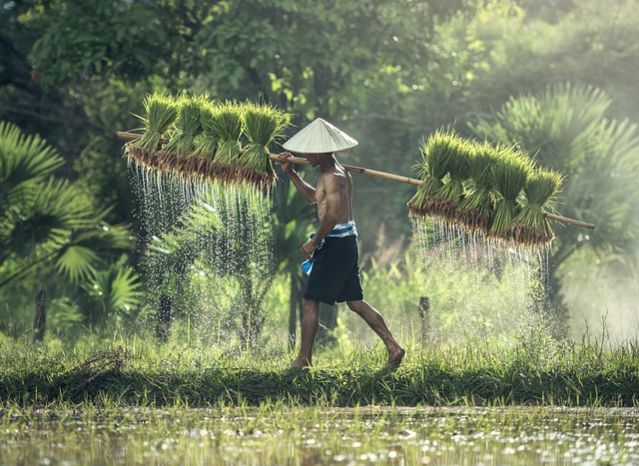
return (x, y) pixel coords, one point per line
(40, 321)
(163, 324)
(424, 317)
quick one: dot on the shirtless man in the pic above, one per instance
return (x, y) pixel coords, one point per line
(333, 249)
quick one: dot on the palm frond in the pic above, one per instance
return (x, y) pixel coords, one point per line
(23, 159)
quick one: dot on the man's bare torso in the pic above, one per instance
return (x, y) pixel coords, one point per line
(344, 183)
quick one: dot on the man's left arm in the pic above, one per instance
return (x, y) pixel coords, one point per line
(331, 214)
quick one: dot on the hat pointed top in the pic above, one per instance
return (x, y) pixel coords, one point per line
(319, 137)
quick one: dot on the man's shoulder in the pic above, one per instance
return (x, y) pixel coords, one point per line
(333, 175)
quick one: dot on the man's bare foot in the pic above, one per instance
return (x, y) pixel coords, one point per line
(300, 363)
(395, 357)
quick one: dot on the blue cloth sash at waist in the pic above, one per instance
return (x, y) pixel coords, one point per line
(341, 230)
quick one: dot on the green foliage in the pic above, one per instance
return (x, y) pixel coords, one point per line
(79, 38)
(48, 226)
(24, 160)
(111, 291)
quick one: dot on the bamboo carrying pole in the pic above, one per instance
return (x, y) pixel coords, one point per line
(128, 136)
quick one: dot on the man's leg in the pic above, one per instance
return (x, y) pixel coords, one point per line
(375, 321)
(310, 322)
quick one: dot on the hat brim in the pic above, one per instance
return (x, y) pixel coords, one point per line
(320, 137)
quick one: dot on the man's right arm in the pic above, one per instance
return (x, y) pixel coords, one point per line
(302, 186)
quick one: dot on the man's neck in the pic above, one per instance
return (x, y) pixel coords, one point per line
(327, 163)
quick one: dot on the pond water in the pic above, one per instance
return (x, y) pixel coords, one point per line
(310, 436)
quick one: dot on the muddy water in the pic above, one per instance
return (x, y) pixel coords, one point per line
(309, 436)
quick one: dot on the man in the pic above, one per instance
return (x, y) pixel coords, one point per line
(332, 250)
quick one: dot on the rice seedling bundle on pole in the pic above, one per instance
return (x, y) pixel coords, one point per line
(531, 226)
(161, 112)
(436, 154)
(494, 191)
(187, 126)
(206, 142)
(476, 207)
(195, 138)
(461, 153)
(509, 174)
(263, 124)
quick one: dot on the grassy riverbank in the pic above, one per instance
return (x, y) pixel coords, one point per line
(139, 372)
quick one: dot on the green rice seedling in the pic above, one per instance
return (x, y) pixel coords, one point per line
(263, 124)
(509, 175)
(206, 142)
(161, 112)
(476, 207)
(433, 168)
(531, 226)
(228, 127)
(187, 125)
(461, 154)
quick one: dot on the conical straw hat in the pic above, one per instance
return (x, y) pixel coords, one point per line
(319, 137)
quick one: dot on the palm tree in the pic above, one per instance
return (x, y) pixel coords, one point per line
(48, 225)
(566, 128)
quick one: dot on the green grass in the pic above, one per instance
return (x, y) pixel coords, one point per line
(141, 372)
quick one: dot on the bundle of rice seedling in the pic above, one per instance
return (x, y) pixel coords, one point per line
(476, 207)
(531, 226)
(161, 112)
(509, 174)
(227, 125)
(206, 142)
(262, 124)
(450, 195)
(436, 154)
(187, 126)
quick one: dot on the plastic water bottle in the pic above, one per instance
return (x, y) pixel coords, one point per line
(307, 266)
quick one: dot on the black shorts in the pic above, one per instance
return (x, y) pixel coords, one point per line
(335, 272)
